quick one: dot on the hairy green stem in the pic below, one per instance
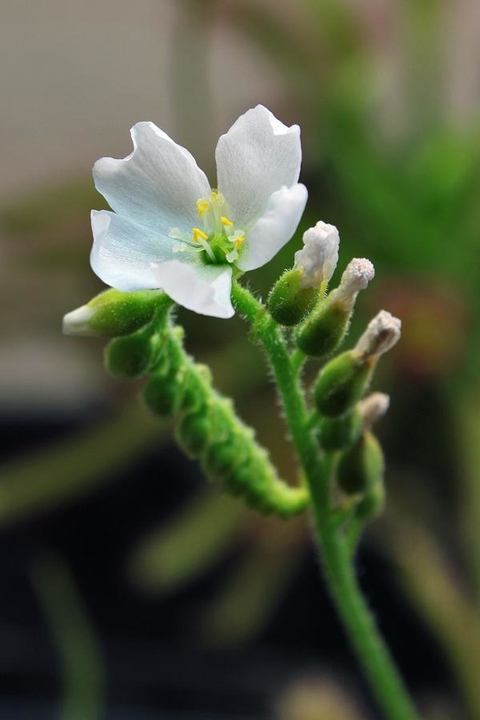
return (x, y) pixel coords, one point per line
(358, 621)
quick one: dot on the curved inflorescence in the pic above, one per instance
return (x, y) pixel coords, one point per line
(206, 425)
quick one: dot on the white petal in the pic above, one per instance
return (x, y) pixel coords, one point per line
(272, 231)
(157, 185)
(205, 289)
(255, 158)
(319, 256)
(123, 252)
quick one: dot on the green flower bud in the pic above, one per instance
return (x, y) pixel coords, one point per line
(340, 433)
(193, 433)
(114, 313)
(288, 301)
(129, 357)
(341, 384)
(373, 502)
(194, 392)
(294, 295)
(222, 459)
(343, 381)
(325, 328)
(163, 395)
(361, 467)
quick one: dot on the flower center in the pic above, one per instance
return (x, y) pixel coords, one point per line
(217, 239)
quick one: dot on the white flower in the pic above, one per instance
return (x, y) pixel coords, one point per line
(170, 230)
(319, 256)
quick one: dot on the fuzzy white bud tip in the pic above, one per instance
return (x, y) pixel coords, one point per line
(77, 322)
(319, 256)
(373, 407)
(382, 333)
(358, 273)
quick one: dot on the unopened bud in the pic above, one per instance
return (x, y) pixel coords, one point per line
(340, 433)
(357, 275)
(382, 333)
(222, 459)
(129, 357)
(163, 395)
(193, 433)
(289, 302)
(344, 380)
(318, 258)
(114, 313)
(373, 501)
(326, 327)
(341, 384)
(361, 467)
(294, 295)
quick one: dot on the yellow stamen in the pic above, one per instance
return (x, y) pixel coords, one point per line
(202, 207)
(239, 241)
(225, 221)
(199, 234)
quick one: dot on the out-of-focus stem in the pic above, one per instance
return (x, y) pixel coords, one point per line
(81, 659)
(435, 592)
(466, 406)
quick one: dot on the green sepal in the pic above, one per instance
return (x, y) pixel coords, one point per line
(340, 433)
(361, 468)
(341, 384)
(288, 302)
(323, 331)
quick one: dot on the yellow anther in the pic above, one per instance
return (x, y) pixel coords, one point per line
(239, 241)
(202, 206)
(225, 221)
(199, 235)
(217, 198)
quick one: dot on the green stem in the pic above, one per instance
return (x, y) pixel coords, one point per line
(370, 648)
(367, 641)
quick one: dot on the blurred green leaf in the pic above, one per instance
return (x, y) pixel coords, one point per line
(81, 662)
(255, 584)
(72, 467)
(194, 540)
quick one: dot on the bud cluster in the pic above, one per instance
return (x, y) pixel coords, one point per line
(343, 414)
(147, 344)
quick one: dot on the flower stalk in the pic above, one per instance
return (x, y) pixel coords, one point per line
(358, 621)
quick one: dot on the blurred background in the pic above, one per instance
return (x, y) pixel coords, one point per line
(130, 589)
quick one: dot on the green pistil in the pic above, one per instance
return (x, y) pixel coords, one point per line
(220, 246)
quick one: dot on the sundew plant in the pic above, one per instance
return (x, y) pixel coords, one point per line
(171, 239)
